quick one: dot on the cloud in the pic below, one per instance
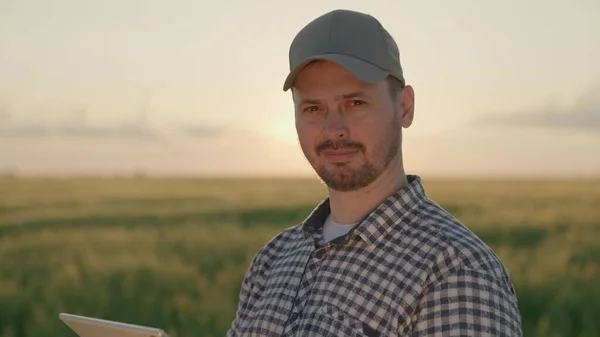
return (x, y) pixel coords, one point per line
(25, 131)
(136, 131)
(124, 131)
(583, 115)
(4, 115)
(203, 131)
(237, 151)
(76, 126)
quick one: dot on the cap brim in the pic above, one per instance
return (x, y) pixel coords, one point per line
(363, 70)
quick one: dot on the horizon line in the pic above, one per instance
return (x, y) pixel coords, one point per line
(284, 176)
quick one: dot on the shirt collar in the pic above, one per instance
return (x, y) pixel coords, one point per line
(377, 222)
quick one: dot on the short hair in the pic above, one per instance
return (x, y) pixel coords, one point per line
(394, 86)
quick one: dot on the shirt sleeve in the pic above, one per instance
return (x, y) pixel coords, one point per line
(245, 306)
(468, 302)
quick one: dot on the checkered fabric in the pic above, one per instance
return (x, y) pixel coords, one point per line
(408, 269)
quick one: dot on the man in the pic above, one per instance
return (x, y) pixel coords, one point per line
(377, 257)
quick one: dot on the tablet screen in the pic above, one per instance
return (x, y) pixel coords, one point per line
(94, 327)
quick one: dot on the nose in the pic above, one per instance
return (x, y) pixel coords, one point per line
(335, 125)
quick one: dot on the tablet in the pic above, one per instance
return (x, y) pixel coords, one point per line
(94, 327)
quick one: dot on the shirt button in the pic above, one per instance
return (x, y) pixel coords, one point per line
(294, 317)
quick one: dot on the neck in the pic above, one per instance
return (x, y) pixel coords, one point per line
(353, 206)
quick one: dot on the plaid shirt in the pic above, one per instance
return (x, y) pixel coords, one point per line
(408, 269)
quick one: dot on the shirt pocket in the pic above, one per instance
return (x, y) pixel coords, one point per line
(347, 324)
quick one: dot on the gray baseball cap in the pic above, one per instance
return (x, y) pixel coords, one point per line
(356, 41)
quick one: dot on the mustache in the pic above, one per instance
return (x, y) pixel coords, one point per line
(340, 144)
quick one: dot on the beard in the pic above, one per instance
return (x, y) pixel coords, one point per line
(345, 178)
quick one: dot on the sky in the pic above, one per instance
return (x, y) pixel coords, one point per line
(503, 88)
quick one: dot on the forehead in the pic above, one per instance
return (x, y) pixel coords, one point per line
(326, 76)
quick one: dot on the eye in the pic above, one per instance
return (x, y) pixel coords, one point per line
(357, 102)
(312, 108)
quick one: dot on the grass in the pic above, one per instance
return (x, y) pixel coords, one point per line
(172, 252)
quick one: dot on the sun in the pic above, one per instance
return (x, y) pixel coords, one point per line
(284, 129)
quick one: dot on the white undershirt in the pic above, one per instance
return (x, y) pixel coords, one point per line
(332, 230)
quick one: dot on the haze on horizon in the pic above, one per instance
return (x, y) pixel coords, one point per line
(505, 88)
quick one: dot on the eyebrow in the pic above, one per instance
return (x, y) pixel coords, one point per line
(355, 94)
(309, 101)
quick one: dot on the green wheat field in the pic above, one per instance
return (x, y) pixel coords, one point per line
(171, 253)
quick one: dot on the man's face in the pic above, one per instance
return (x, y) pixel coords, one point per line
(349, 131)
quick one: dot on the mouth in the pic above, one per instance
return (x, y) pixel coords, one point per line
(341, 155)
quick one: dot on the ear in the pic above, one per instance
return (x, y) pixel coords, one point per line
(407, 102)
